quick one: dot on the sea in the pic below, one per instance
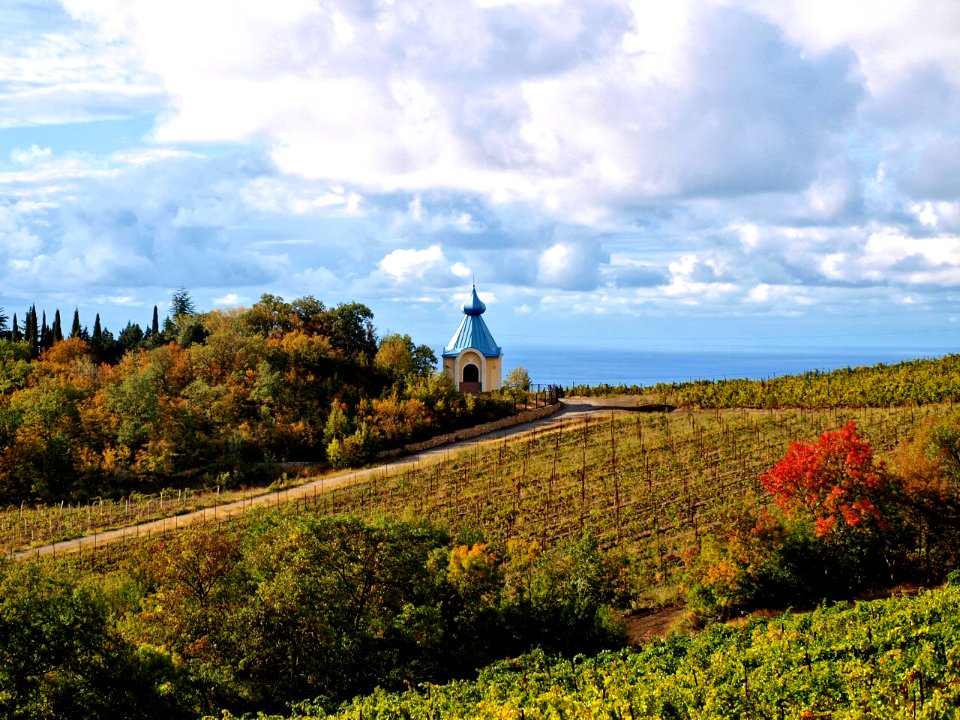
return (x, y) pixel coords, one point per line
(590, 366)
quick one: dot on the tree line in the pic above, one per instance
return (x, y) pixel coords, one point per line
(286, 609)
(212, 398)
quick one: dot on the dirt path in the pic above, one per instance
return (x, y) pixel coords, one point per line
(572, 410)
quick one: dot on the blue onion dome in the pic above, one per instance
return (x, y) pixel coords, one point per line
(474, 306)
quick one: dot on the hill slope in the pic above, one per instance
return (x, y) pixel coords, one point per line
(893, 658)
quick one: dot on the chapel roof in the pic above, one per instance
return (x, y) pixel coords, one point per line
(473, 331)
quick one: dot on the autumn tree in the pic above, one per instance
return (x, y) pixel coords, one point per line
(835, 479)
(401, 357)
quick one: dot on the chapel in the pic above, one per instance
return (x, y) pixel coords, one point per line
(472, 358)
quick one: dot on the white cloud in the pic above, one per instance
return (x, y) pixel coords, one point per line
(496, 100)
(229, 300)
(30, 155)
(708, 155)
(428, 268)
(571, 265)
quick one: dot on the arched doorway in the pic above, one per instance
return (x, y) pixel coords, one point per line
(471, 379)
(471, 373)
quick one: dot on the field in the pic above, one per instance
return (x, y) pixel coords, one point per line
(650, 482)
(375, 593)
(653, 482)
(812, 666)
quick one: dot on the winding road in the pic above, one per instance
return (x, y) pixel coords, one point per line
(571, 410)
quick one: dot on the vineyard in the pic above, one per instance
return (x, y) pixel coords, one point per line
(892, 659)
(28, 525)
(654, 482)
(415, 575)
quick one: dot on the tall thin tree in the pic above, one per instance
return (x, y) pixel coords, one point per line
(75, 328)
(33, 332)
(155, 325)
(56, 330)
(44, 333)
(15, 333)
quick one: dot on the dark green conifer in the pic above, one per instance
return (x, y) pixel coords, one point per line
(97, 338)
(75, 329)
(56, 330)
(181, 304)
(46, 338)
(33, 332)
(15, 333)
(155, 325)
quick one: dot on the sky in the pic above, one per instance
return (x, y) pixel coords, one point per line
(687, 174)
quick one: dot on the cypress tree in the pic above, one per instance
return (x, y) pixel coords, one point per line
(15, 333)
(46, 338)
(57, 330)
(96, 340)
(155, 325)
(33, 332)
(75, 329)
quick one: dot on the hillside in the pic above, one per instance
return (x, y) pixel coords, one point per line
(894, 659)
(217, 399)
(421, 574)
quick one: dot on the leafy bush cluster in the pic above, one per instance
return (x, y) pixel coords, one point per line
(215, 396)
(895, 659)
(289, 608)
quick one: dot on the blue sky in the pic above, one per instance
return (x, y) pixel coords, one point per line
(667, 175)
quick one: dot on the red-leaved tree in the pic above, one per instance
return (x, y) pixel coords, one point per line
(834, 479)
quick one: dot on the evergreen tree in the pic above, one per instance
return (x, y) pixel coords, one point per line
(46, 338)
(75, 329)
(33, 332)
(97, 344)
(155, 325)
(3, 322)
(130, 336)
(15, 333)
(56, 330)
(182, 304)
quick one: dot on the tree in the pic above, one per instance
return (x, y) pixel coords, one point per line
(182, 304)
(15, 333)
(155, 323)
(46, 337)
(75, 328)
(130, 336)
(401, 357)
(3, 321)
(97, 338)
(56, 330)
(33, 332)
(518, 379)
(312, 316)
(351, 330)
(833, 480)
